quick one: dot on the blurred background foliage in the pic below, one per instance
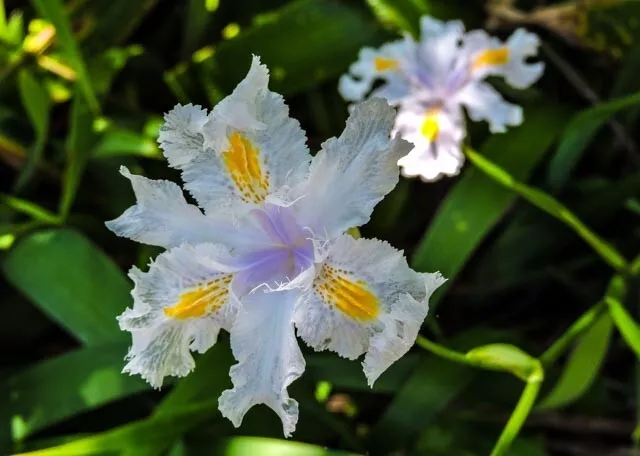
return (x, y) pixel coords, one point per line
(83, 85)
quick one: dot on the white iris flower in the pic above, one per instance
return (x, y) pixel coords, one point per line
(431, 81)
(266, 251)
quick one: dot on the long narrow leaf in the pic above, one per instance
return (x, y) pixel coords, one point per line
(552, 207)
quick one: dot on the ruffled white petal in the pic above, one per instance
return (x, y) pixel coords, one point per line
(517, 72)
(430, 27)
(246, 149)
(433, 69)
(365, 299)
(162, 216)
(490, 56)
(269, 359)
(179, 305)
(483, 102)
(401, 327)
(384, 63)
(181, 134)
(435, 156)
(352, 173)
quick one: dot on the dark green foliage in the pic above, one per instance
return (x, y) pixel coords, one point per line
(541, 306)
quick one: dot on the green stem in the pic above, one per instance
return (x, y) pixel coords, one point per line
(31, 209)
(452, 355)
(548, 204)
(519, 415)
(444, 352)
(561, 344)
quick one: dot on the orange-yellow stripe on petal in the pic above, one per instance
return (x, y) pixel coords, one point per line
(201, 300)
(385, 64)
(351, 297)
(242, 161)
(492, 57)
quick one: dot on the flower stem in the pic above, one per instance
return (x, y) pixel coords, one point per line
(578, 327)
(518, 417)
(552, 207)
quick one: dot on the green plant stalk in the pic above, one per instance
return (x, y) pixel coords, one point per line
(561, 344)
(3, 17)
(445, 353)
(551, 206)
(461, 358)
(31, 209)
(519, 415)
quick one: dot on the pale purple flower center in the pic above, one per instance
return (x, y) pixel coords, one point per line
(288, 251)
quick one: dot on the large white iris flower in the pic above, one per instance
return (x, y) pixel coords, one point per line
(266, 251)
(432, 80)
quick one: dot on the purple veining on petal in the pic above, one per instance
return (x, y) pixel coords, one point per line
(290, 252)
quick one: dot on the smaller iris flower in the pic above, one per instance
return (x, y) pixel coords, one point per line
(266, 254)
(431, 81)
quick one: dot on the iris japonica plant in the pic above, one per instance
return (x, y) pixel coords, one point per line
(432, 80)
(265, 252)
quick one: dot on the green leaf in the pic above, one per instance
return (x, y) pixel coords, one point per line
(582, 366)
(78, 146)
(404, 15)
(121, 142)
(36, 101)
(428, 390)
(347, 375)
(548, 204)
(476, 203)
(249, 446)
(104, 67)
(72, 280)
(109, 23)
(303, 44)
(505, 357)
(578, 135)
(401, 15)
(31, 209)
(207, 381)
(628, 328)
(196, 21)
(54, 11)
(139, 437)
(58, 388)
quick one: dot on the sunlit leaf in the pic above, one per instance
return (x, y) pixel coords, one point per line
(583, 364)
(55, 389)
(72, 280)
(626, 325)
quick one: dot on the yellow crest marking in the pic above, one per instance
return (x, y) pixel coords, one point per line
(430, 127)
(492, 57)
(352, 298)
(242, 161)
(385, 64)
(202, 300)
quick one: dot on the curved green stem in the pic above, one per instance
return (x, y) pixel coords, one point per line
(518, 416)
(568, 337)
(444, 352)
(552, 207)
